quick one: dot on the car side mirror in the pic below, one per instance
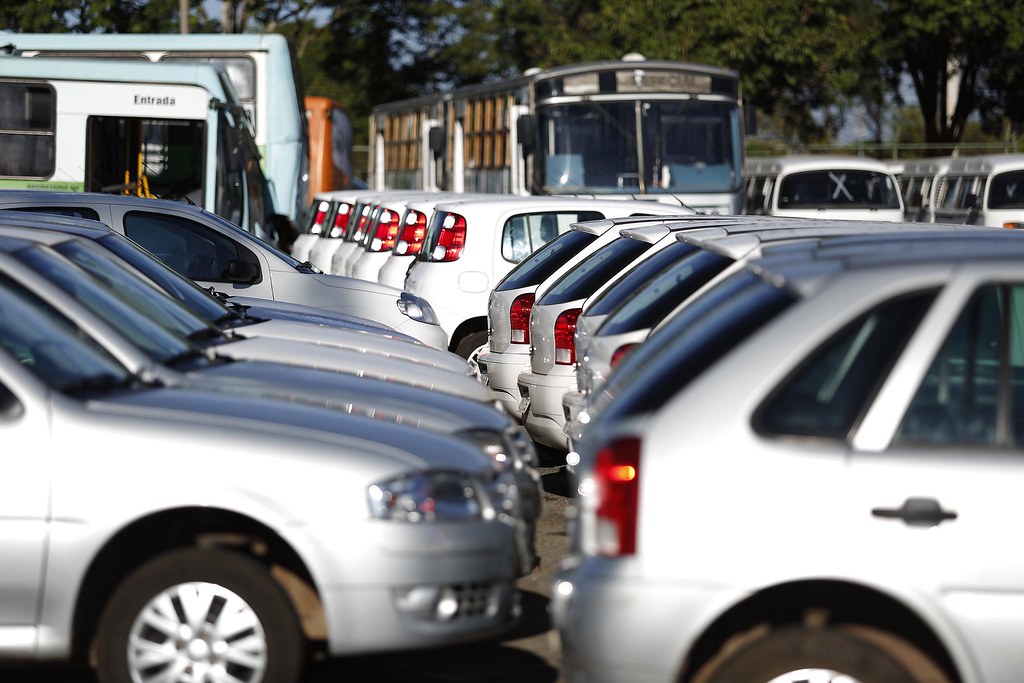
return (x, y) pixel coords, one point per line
(242, 272)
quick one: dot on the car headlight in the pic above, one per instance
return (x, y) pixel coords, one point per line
(494, 445)
(428, 497)
(416, 308)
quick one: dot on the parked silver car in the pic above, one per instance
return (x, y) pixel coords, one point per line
(165, 531)
(805, 477)
(218, 254)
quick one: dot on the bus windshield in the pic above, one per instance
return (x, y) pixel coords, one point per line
(639, 146)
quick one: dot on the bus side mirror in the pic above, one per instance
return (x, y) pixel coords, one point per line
(242, 272)
(525, 131)
(435, 141)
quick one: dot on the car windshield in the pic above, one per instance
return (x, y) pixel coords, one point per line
(541, 264)
(194, 297)
(51, 347)
(152, 339)
(135, 290)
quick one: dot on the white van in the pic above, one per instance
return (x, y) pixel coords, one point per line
(919, 183)
(983, 190)
(822, 186)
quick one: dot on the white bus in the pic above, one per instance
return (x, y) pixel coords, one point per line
(822, 186)
(987, 189)
(262, 69)
(609, 129)
(155, 130)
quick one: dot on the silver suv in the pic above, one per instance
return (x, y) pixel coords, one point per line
(812, 476)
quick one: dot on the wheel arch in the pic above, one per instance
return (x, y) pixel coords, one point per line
(189, 527)
(466, 328)
(819, 602)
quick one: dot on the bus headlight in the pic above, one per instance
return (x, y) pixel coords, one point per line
(416, 308)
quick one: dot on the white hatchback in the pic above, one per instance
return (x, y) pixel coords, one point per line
(471, 245)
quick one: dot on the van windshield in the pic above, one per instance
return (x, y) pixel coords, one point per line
(838, 189)
(1007, 191)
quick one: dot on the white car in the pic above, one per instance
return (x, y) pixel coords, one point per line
(216, 253)
(510, 302)
(331, 223)
(806, 476)
(471, 245)
(168, 530)
(365, 208)
(321, 218)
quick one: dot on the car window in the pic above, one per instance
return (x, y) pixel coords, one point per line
(188, 247)
(73, 211)
(542, 263)
(584, 279)
(523, 234)
(676, 354)
(982, 359)
(829, 393)
(639, 276)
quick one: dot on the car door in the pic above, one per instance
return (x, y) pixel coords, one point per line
(940, 506)
(211, 257)
(24, 509)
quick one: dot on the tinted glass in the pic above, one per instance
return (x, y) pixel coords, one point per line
(830, 392)
(669, 360)
(649, 304)
(959, 400)
(525, 233)
(545, 261)
(190, 248)
(629, 283)
(27, 129)
(838, 188)
(584, 279)
(1007, 191)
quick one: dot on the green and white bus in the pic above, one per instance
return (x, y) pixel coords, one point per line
(175, 131)
(262, 69)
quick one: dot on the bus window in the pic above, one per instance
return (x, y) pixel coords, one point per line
(147, 157)
(241, 71)
(27, 122)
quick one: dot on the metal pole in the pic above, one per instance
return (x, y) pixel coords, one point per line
(183, 16)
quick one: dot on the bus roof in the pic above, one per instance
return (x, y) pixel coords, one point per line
(985, 163)
(145, 42)
(211, 77)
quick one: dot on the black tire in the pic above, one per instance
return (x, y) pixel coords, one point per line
(864, 654)
(215, 574)
(469, 344)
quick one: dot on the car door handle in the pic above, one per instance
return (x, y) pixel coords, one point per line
(917, 512)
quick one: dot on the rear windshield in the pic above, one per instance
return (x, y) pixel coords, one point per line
(604, 264)
(677, 353)
(629, 283)
(648, 305)
(541, 264)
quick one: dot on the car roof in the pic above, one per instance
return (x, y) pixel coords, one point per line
(44, 197)
(85, 227)
(510, 202)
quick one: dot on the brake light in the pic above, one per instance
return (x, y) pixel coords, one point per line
(617, 480)
(341, 220)
(620, 353)
(519, 318)
(415, 229)
(387, 231)
(451, 239)
(363, 216)
(318, 219)
(565, 336)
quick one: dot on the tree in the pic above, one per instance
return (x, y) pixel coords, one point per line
(964, 58)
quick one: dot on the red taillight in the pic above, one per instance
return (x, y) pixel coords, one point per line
(519, 318)
(415, 229)
(341, 220)
(387, 231)
(565, 336)
(620, 353)
(318, 220)
(451, 239)
(360, 227)
(617, 476)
